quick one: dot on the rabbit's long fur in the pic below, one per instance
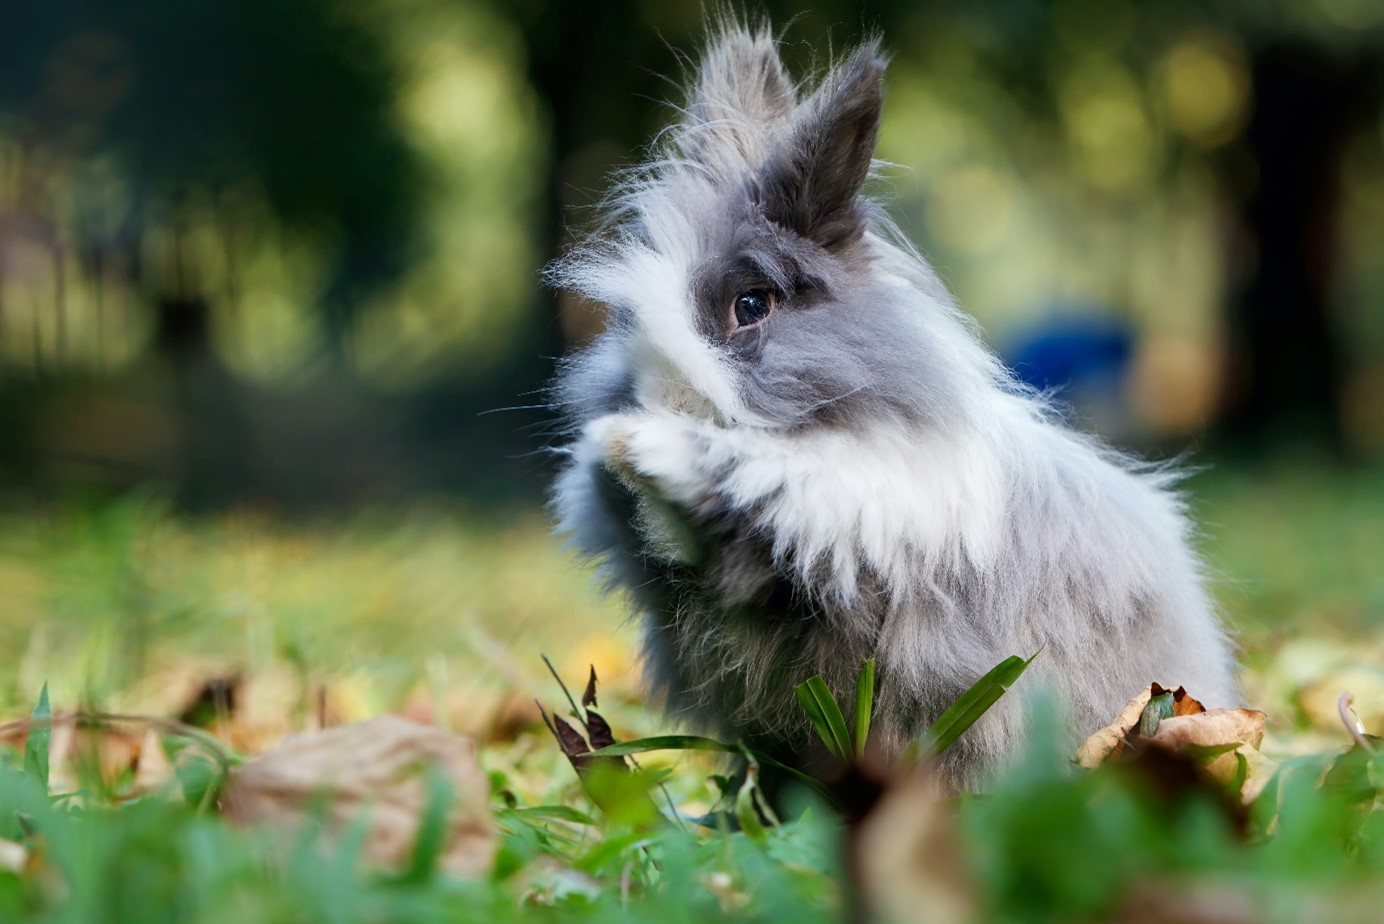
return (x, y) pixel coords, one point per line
(856, 475)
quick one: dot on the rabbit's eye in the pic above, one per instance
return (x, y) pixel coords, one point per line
(753, 306)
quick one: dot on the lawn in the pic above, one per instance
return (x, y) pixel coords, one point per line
(442, 613)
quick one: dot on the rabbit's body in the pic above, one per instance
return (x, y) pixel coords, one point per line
(796, 453)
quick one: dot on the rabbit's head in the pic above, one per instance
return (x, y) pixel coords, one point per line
(749, 280)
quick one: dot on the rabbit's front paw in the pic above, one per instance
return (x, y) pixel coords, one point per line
(657, 454)
(611, 437)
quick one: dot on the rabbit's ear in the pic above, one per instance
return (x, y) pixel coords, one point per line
(741, 93)
(812, 184)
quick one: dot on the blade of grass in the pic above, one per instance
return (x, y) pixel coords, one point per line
(700, 743)
(864, 706)
(746, 811)
(432, 827)
(39, 738)
(970, 706)
(825, 714)
(553, 813)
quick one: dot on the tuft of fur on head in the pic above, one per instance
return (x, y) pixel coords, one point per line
(796, 453)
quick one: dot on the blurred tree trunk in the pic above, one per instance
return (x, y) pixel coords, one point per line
(583, 62)
(1287, 377)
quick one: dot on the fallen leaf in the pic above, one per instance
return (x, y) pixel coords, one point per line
(1183, 704)
(1223, 742)
(1213, 727)
(1236, 733)
(611, 782)
(1095, 749)
(80, 745)
(906, 854)
(375, 765)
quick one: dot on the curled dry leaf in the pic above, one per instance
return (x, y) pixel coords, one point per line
(1217, 728)
(375, 767)
(907, 857)
(1110, 739)
(1212, 728)
(1231, 736)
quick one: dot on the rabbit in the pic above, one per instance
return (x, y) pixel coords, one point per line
(794, 452)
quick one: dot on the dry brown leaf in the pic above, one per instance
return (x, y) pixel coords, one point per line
(908, 859)
(1217, 728)
(1191, 726)
(1260, 770)
(1211, 728)
(79, 745)
(1183, 704)
(1095, 749)
(374, 766)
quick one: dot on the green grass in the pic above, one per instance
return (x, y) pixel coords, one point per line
(1295, 547)
(442, 613)
(105, 602)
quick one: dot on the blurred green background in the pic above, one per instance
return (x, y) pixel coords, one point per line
(272, 338)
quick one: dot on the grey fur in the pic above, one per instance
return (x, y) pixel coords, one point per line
(1069, 547)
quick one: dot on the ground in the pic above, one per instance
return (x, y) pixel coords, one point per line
(442, 612)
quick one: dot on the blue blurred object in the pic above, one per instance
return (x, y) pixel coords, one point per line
(1083, 354)
(1071, 349)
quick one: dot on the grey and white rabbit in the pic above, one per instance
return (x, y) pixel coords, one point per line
(795, 453)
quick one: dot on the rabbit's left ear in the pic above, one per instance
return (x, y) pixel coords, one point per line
(812, 184)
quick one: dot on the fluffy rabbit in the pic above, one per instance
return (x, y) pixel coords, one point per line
(795, 453)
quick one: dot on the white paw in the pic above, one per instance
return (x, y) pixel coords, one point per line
(657, 454)
(610, 436)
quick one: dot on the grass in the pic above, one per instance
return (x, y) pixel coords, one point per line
(389, 608)
(442, 613)
(1295, 547)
